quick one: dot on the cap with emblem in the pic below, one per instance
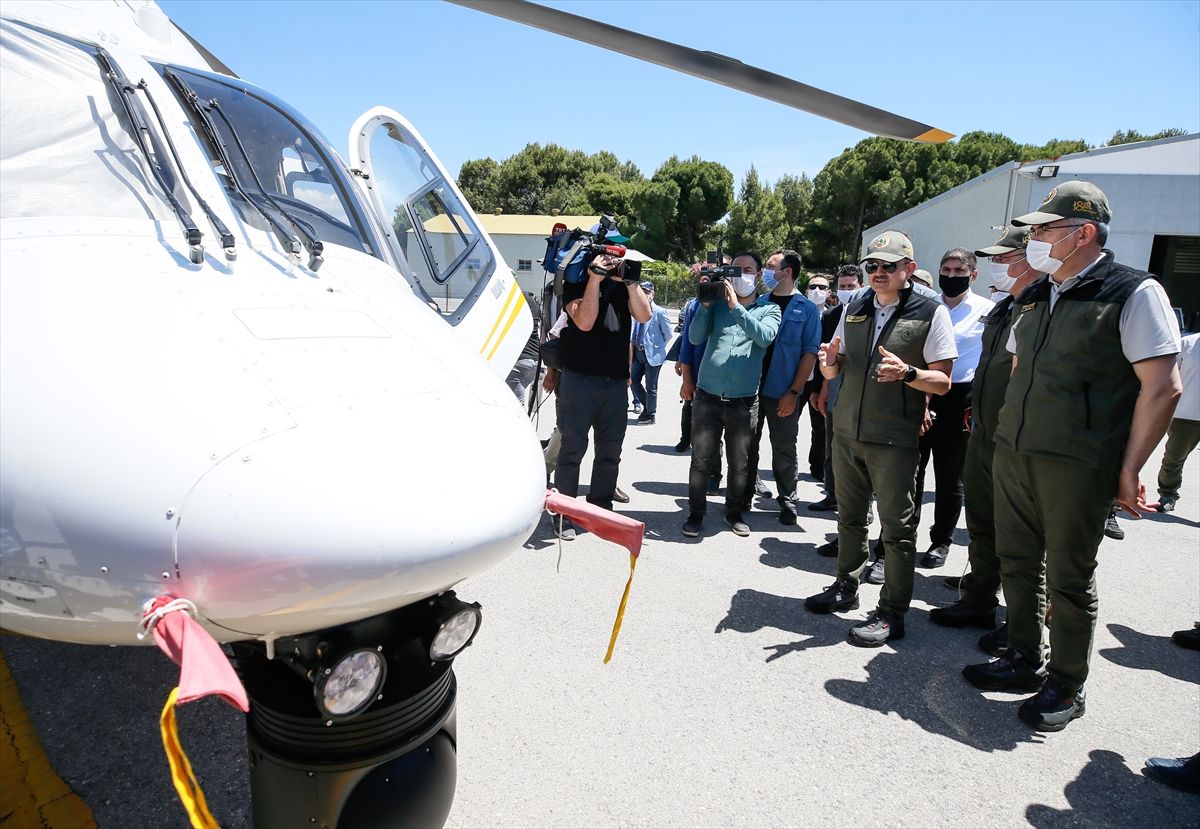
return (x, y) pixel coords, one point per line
(1015, 238)
(1071, 200)
(891, 246)
(924, 277)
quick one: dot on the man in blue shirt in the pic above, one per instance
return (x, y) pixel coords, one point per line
(787, 364)
(736, 334)
(649, 345)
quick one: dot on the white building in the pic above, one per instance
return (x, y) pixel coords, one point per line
(1153, 188)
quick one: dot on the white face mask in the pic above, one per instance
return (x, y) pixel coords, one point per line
(844, 296)
(744, 284)
(1001, 281)
(1038, 254)
(818, 295)
(769, 280)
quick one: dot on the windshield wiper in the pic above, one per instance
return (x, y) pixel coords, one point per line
(275, 215)
(145, 138)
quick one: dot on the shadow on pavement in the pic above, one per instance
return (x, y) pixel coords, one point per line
(940, 701)
(800, 555)
(752, 610)
(1106, 793)
(1144, 652)
(655, 449)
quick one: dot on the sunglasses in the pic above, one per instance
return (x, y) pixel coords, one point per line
(871, 267)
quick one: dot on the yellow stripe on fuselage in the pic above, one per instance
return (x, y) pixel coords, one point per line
(511, 319)
(507, 302)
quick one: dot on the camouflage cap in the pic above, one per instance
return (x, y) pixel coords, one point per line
(1070, 200)
(1015, 238)
(889, 246)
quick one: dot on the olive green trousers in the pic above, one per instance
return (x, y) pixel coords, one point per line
(980, 585)
(1182, 438)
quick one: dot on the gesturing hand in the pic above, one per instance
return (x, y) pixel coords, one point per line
(827, 354)
(891, 368)
(1131, 495)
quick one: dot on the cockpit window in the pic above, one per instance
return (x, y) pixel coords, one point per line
(285, 160)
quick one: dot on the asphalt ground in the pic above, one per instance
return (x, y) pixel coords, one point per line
(726, 703)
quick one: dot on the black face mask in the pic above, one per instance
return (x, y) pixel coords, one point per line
(954, 285)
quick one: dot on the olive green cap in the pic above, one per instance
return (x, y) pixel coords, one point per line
(923, 276)
(1015, 238)
(890, 246)
(1070, 200)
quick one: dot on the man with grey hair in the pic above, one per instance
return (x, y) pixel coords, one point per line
(1093, 388)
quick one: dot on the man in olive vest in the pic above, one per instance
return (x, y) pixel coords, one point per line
(893, 347)
(1093, 388)
(1010, 274)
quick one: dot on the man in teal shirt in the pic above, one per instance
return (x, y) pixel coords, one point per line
(736, 334)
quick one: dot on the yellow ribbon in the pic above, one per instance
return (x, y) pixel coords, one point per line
(612, 643)
(181, 770)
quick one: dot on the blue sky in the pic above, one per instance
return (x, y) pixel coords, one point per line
(475, 85)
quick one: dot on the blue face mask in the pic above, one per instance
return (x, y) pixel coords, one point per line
(769, 280)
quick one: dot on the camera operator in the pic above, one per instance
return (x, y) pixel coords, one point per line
(595, 378)
(736, 333)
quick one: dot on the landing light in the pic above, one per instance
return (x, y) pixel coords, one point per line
(456, 632)
(350, 686)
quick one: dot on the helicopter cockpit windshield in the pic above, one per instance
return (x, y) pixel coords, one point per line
(270, 164)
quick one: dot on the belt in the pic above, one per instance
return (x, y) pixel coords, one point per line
(725, 399)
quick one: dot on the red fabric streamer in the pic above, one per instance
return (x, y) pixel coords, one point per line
(611, 526)
(203, 666)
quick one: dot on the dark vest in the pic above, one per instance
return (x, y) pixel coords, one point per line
(871, 411)
(1072, 394)
(991, 375)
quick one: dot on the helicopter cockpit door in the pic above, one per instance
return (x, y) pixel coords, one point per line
(437, 239)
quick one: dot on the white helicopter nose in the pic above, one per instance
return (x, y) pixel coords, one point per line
(358, 511)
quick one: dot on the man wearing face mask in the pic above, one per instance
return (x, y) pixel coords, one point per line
(1010, 273)
(820, 294)
(1093, 388)
(893, 347)
(595, 380)
(946, 439)
(787, 364)
(736, 334)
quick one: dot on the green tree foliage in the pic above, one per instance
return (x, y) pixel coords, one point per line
(673, 283)
(758, 221)
(1130, 136)
(677, 208)
(796, 195)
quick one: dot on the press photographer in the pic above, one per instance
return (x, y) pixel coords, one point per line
(595, 357)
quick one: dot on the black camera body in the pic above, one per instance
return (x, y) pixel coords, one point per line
(714, 289)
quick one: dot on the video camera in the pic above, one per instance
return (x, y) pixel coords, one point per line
(569, 254)
(714, 289)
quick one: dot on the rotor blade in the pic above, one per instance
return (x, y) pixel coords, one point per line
(711, 67)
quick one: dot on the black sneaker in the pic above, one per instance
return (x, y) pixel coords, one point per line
(1007, 672)
(761, 489)
(682, 446)
(1189, 639)
(935, 556)
(735, 522)
(564, 530)
(1182, 773)
(691, 527)
(645, 421)
(881, 626)
(963, 614)
(1053, 707)
(996, 641)
(787, 512)
(835, 597)
(1167, 504)
(828, 549)
(826, 504)
(1111, 528)
(875, 572)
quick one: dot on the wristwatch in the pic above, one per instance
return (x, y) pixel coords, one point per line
(911, 374)
(793, 391)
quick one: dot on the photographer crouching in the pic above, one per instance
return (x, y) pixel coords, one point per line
(595, 380)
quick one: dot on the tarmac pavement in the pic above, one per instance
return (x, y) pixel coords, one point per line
(726, 703)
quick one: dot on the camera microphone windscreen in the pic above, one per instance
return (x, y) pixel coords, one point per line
(614, 250)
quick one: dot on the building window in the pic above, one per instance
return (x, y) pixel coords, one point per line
(524, 264)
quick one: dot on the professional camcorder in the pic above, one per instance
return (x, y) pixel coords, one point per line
(569, 254)
(713, 290)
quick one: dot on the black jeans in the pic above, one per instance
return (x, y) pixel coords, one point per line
(737, 419)
(591, 403)
(784, 431)
(647, 395)
(817, 457)
(946, 440)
